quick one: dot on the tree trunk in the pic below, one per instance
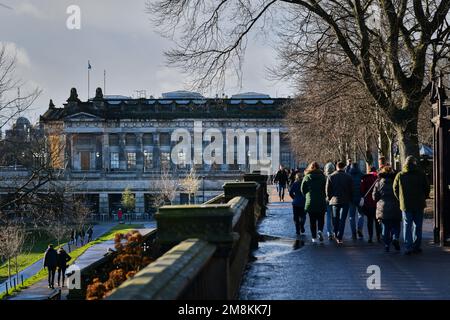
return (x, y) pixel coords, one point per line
(408, 138)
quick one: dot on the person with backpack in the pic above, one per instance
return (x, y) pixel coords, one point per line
(298, 205)
(369, 207)
(339, 193)
(388, 208)
(411, 188)
(313, 188)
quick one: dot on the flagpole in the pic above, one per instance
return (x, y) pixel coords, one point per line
(89, 77)
(104, 82)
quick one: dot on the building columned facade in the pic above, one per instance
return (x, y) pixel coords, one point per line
(111, 143)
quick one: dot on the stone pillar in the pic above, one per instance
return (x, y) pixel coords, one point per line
(105, 152)
(263, 194)
(209, 223)
(103, 203)
(225, 165)
(71, 151)
(156, 152)
(122, 152)
(140, 205)
(250, 191)
(139, 152)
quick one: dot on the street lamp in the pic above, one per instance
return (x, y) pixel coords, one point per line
(203, 188)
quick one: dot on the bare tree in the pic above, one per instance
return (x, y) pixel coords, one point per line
(12, 239)
(165, 188)
(190, 184)
(393, 47)
(12, 101)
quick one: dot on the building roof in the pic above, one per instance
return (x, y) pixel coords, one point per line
(173, 105)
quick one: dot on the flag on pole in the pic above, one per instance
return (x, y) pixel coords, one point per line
(89, 65)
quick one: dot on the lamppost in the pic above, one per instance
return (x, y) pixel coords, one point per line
(203, 188)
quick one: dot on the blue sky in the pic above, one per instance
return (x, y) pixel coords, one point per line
(115, 35)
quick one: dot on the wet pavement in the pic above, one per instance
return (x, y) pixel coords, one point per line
(291, 268)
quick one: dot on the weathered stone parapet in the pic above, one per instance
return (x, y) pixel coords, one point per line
(209, 222)
(252, 192)
(171, 276)
(263, 194)
(240, 189)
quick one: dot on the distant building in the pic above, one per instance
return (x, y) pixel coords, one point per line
(115, 142)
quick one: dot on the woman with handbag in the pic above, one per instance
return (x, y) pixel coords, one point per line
(368, 205)
(388, 208)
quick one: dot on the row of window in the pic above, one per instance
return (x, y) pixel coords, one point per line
(147, 139)
(131, 160)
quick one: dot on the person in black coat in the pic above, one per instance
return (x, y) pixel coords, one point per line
(62, 259)
(281, 178)
(72, 237)
(50, 262)
(89, 232)
(82, 236)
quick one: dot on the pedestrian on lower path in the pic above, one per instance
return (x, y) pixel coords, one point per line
(298, 204)
(388, 208)
(50, 262)
(82, 235)
(339, 193)
(119, 215)
(62, 259)
(412, 189)
(370, 206)
(313, 188)
(72, 237)
(89, 232)
(77, 237)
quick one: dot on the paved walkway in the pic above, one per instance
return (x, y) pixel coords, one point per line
(40, 291)
(30, 271)
(296, 269)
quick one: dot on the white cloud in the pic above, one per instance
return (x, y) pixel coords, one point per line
(26, 8)
(13, 50)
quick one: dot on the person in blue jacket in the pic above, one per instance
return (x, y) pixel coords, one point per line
(298, 204)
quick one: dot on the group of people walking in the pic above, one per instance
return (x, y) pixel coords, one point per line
(341, 190)
(78, 237)
(56, 260)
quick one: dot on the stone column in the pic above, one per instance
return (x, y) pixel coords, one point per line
(156, 152)
(140, 206)
(71, 151)
(139, 152)
(103, 205)
(225, 166)
(105, 152)
(122, 152)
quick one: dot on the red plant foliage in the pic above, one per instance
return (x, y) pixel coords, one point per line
(129, 260)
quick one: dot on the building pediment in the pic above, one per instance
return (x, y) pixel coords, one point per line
(82, 116)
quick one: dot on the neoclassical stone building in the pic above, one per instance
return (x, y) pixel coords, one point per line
(110, 143)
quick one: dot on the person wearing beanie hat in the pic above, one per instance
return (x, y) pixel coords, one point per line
(412, 189)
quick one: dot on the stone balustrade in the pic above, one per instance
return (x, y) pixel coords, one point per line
(204, 248)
